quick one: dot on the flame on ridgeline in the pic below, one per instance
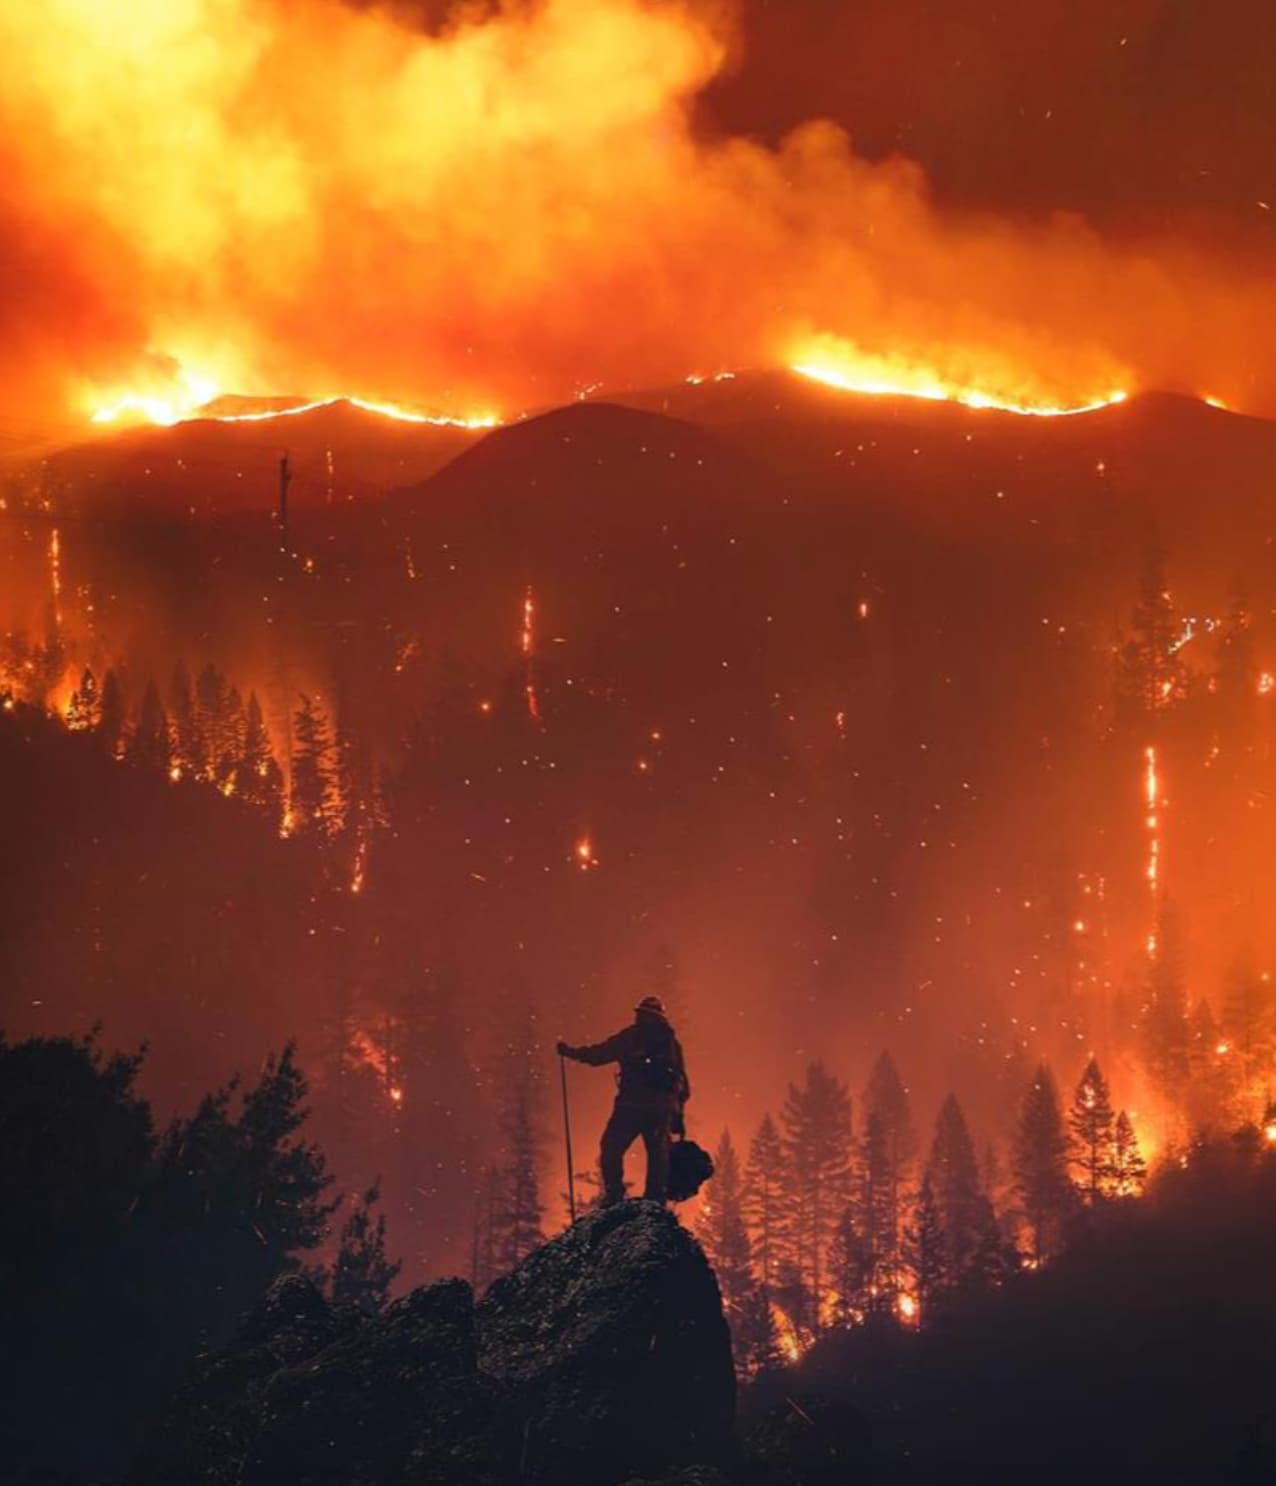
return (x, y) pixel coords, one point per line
(842, 365)
(178, 407)
(267, 195)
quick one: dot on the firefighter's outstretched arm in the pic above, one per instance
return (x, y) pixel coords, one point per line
(595, 1054)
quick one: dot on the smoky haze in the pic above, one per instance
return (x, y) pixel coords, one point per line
(516, 203)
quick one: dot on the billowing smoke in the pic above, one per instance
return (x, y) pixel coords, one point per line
(297, 196)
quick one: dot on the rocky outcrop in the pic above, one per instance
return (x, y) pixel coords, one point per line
(612, 1342)
(603, 1358)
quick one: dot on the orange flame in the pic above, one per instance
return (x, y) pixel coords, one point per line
(254, 194)
(842, 365)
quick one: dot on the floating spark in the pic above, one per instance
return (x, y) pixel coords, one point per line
(585, 858)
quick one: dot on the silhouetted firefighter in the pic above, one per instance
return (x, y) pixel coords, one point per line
(653, 1088)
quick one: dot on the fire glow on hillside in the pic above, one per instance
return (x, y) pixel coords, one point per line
(355, 201)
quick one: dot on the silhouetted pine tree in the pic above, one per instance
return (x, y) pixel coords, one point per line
(966, 1218)
(312, 795)
(247, 1194)
(519, 1210)
(112, 716)
(1093, 1128)
(257, 777)
(220, 721)
(287, 1177)
(439, 1119)
(361, 1273)
(1249, 1025)
(1165, 1029)
(189, 750)
(1041, 1166)
(1236, 680)
(85, 709)
(48, 660)
(764, 1204)
(149, 745)
(816, 1121)
(1213, 1072)
(875, 1213)
(756, 1337)
(1150, 673)
(925, 1251)
(723, 1231)
(1129, 1170)
(888, 1108)
(851, 1264)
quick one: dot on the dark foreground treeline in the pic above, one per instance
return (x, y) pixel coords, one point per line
(1142, 1353)
(126, 1250)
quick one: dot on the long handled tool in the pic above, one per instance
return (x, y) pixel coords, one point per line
(567, 1131)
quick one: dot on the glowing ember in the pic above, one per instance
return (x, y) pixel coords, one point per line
(527, 639)
(359, 872)
(584, 853)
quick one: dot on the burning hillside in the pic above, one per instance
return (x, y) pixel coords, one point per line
(246, 196)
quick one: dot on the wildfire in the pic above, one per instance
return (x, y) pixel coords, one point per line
(786, 1334)
(365, 1050)
(55, 573)
(359, 872)
(189, 400)
(843, 365)
(1153, 804)
(527, 645)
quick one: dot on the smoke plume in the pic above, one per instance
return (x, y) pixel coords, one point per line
(297, 196)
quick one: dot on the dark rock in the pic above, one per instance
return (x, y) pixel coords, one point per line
(613, 1347)
(313, 1397)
